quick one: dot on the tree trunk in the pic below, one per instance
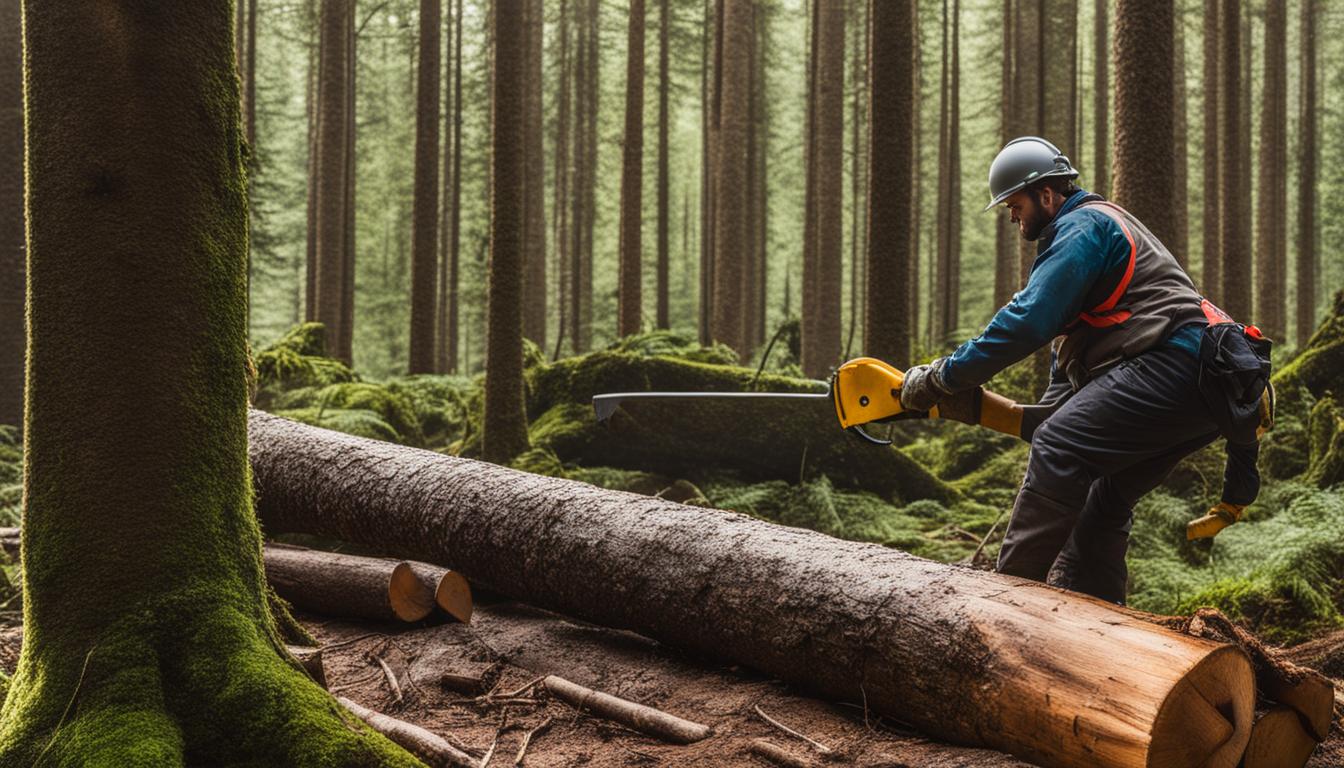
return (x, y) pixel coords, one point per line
(590, 176)
(504, 432)
(730, 195)
(12, 253)
(808, 290)
(345, 340)
(709, 73)
(445, 204)
(938, 330)
(347, 586)
(661, 317)
(425, 201)
(630, 305)
(1180, 247)
(1271, 249)
(1101, 91)
(1005, 235)
(534, 191)
(1308, 159)
(1235, 290)
(560, 207)
(578, 191)
(1144, 129)
(137, 212)
(822, 346)
(891, 101)
(455, 225)
(964, 655)
(330, 167)
(1212, 268)
(746, 299)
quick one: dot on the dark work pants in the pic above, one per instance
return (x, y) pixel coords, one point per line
(1112, 442)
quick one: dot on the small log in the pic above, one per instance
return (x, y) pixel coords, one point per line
(430, 747)
(347, 586)
(470, 678)
(647, 720)
(1279, 740)
(311, 661)
(773, 753)
(451, 590)
(1312, 697)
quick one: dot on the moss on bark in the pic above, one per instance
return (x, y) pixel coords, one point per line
(137, 238)
(1319, 366)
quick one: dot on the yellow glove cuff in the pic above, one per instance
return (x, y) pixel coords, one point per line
(1218, 518)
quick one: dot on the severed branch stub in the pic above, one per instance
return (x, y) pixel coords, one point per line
(773, 753)
(428, 746)
(822, 748)
(646, 720)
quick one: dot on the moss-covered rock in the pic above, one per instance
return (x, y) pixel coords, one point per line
(1325, 436)
(1319, 365)
(665, 343)
(297, 360)
(442, 404)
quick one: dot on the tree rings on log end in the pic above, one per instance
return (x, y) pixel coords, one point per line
(453, 595)
(1278, 740)
(1206, 718)
(410, 600)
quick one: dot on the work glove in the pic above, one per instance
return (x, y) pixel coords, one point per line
(1222, 515)
(923, 386)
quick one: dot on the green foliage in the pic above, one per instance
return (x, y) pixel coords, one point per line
(665, 343)
(297, 360)
(1325, 437)
(11, 475)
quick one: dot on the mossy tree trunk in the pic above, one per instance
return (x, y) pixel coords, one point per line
(12, 338)
(425, 202)
(504, 432)
(890, 179)
(138, 232)
(1144, 129)
(629, 300)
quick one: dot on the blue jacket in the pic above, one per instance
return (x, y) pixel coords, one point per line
(1086, 247)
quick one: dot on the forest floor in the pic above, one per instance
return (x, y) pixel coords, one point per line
(516, 643)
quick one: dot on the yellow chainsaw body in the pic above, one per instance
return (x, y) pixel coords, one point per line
(865, 390)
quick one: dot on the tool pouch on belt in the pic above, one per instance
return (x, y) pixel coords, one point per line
(1234, 376)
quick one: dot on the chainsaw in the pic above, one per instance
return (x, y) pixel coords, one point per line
(865, 391)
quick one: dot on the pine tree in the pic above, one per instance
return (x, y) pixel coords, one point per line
(12, 249)
(821, 337)
(664, 30)
(1308, 160)
(1144, 125)
(504, 432)
(1101, 90)
(1006, 277)
(534, 191)
(1235, 237)
(425, 202)
(563, 178)
(731, 173)
(1271, 248)
(890, 177)
(1212, 274)
(630, 305)
(138, 213)
(1180, 245)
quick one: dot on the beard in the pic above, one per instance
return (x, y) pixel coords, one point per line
(1034, 220)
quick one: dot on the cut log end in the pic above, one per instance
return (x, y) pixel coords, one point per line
(1279, 740)
(1206, 719)
(453, 595)
(410, 599)
(1312, 697)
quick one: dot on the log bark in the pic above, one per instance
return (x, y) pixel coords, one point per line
(346, 585)
(967, 656)
(647, 720)
(427, 746)
(1278, 740)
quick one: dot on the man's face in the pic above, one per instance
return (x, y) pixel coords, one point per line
(1026, 211)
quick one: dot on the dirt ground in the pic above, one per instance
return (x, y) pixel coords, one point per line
(512, 644)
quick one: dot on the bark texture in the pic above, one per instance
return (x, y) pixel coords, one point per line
(534, 190)
(331, 188)
(1271, 251)
(1101, 90)
(964, 655)
(137, 224)
(890, 179)
(730, 195)
(1308, 160)
(425, 194)
(629, 299)
(1235, 237)
(822, 284)
(1144, 128)
(504, 432)
(1212, 268)
(347, 586)
(661, 309)
(12, 247)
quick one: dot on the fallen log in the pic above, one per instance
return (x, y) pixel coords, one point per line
(451, 590)
(1311, 696)
(347, 586)
(1278, 740)
(971, 657)
(646, 720)
(426, 745)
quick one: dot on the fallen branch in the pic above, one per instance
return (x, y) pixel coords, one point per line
(527, 740)
(776, 754)
(347, 586)
(427, 746)
(822, 748)
(391, 680)
(647, 720)
(964, 655)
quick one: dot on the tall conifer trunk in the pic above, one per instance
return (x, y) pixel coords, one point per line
(1235, 288)
(12, 251)
(563, 179)
(425, 201)
(731, 173)
(1211, 274)
(629, 300)
(138, 214)
(1307, 161)
(1271, 249)
(1144, 128)
(661, 319)
(331, 167)
(822, 346)
(534, 223)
